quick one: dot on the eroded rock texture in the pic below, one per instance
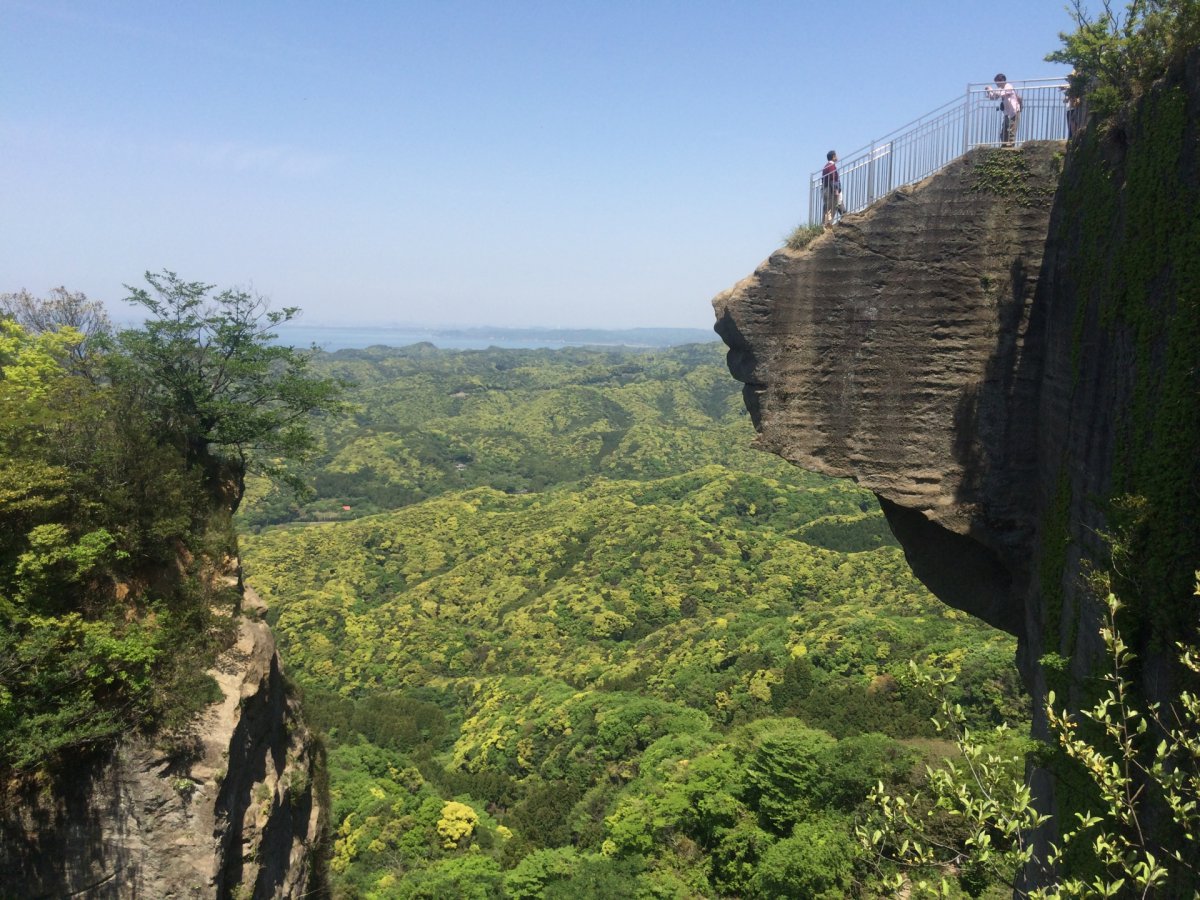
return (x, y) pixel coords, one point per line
(1010, 360)
(892, 350)
(237, 815)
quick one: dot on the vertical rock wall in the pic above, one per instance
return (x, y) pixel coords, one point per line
(236, 814)
(1011, 362)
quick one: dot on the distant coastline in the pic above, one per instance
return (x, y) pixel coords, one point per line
(334, 337)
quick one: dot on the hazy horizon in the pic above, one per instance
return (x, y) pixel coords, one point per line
(346, 337)
(128, 316)
(572, 164)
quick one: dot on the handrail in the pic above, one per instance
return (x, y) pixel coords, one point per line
(932, 141)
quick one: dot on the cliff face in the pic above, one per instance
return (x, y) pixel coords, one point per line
(235, 814)
(1010, 360)
(1118, 415)
(892, 350)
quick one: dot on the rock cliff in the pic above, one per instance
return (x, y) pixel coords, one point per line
(1010, 360)
(892, 351)
(234, 812)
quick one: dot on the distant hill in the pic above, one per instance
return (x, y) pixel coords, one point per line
(330, 337)
(567, 634)
(617, 337)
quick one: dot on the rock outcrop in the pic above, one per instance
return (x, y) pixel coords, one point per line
(1010, 360)
(892, 351)
(234, 813)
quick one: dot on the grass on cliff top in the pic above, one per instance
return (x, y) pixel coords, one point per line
(802, 236)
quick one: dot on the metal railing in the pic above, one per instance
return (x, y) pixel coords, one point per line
(936, 139)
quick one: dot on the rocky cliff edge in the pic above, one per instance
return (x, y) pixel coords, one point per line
(891, 350)
(1010, 359)
(232, 812)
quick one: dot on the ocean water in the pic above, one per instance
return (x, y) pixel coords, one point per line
(330, 337)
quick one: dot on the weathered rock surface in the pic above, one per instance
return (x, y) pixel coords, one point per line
(1011, 362)
(891, 351)
(236, 816)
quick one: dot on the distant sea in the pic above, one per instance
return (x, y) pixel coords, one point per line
(330, 337)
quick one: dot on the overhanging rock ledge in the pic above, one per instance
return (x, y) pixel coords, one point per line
(896, 350)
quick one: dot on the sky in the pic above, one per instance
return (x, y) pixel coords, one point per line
(514, 164)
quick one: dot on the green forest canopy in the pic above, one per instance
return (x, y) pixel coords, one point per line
(566, 630)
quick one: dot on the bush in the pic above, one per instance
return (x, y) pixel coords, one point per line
(802, 236)
(816, 862)
(1118, 55)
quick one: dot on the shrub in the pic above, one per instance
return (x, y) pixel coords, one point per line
(802, 236)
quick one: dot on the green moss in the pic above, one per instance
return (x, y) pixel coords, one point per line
(1163, 313)
(1055, 540)
(1137, 270)
(1056, 669)
(1005, 173)
(1156, 300)
(1087, 203)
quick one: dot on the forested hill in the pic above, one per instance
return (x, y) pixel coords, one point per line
(569, 635)
(426, 421)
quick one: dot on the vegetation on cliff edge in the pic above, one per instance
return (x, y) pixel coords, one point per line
(120, 459)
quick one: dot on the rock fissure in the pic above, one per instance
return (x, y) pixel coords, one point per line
(147, 823)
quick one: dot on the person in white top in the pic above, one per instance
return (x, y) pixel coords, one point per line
(1010, 105)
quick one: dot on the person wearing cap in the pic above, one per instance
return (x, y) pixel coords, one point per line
(1010, 105)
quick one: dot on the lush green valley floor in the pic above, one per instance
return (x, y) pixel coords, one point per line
(568, 635)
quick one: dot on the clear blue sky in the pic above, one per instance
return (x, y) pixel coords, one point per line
(516, 163)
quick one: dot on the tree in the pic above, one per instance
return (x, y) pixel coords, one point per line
(468, 877)
(973, 817)
(457, 824)
(208, 365)
(89, 501)
(783, 774)
(113, 453)
(63, 309)
(1118, 53)
(529, 878)
(817, 862)
(1141, 759)
(1138, 755)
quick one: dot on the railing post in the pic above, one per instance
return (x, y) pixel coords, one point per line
(871, 176)
(967, 120)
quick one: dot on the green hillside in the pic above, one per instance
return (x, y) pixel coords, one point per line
(589, 642)
(426, 422)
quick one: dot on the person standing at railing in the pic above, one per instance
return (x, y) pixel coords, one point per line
(1010, 105)
(831, 189)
